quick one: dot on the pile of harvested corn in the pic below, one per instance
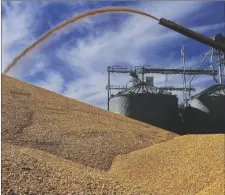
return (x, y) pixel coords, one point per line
(218, 187)
(184, 165)
(76, 131)
(31, 171)
(56, 145)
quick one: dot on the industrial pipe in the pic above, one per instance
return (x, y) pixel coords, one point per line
(191, 34)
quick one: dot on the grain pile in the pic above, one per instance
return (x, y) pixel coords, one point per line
(48, 139)
(56, 145)
(40, 119)
(185, 165)
(31, 171)
(217, 188)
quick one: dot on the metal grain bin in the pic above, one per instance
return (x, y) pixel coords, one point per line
(153, 107)
(206, 111)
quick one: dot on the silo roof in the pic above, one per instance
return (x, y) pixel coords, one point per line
(215, 90)
(142, 88)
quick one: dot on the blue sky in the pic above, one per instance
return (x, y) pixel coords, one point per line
(73, 61)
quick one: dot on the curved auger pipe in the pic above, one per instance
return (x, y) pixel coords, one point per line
(189, 33)
(69, 21)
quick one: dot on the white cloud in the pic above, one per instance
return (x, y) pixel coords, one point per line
(16, 30)
(18, 24)
(53, 81)
(40, 66)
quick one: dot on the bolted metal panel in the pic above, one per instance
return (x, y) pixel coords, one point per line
(156, 109)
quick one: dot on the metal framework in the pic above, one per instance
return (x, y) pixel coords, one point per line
(148, 69)
(140, 88)
(216, 59)
(216, 63)
(168, 88)
(216, 67)
(140, 85)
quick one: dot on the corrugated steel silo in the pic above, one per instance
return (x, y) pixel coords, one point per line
(145, 103)
(205, 112)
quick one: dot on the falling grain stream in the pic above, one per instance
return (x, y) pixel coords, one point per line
(69, 21)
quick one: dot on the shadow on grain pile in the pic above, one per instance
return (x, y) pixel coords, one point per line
(37, 118)
(41, 129)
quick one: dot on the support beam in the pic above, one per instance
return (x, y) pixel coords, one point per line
(118, 87)
(108, 88)
(147, 70)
